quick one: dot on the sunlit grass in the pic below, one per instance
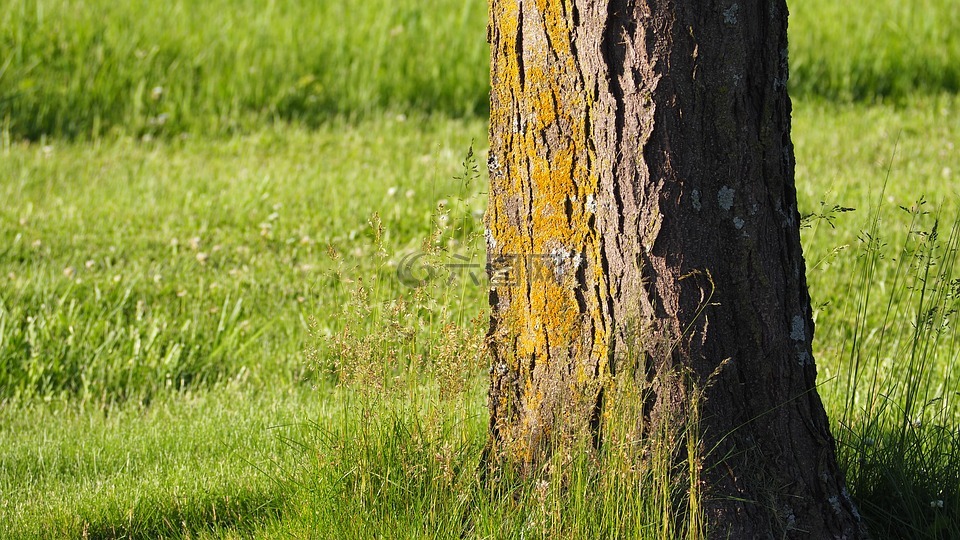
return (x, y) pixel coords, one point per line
(92, 67)
(132, 267)
(125, 434)
(205, 207)
(84, 68)
(183, 466)
(888, 49)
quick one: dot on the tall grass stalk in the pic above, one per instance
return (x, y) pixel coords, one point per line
(898, 436)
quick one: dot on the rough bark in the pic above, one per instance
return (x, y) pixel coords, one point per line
(643, 216)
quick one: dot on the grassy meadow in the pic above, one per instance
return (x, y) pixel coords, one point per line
(207, 328)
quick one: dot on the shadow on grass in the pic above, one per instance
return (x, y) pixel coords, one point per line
(175, 517)
(907, 480)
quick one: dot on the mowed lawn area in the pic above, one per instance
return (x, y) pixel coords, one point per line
(209, 322)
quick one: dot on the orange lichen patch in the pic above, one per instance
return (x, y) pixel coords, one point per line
(506, 18)
(551, 310)
(557, 25)
(505, 76)
(553, 179)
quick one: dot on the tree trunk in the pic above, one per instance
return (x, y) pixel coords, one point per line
(643, 218)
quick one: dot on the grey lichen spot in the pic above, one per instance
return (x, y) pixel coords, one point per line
(789, 220)
(591, 204)
(804, 358)
(798, 330)
(493, 166)
(558, 256)
(853, 506)
(532, 119)
(725, 197)
(784, 67)
(738, 223)
(790, 517)
(577, 259)
(835, 504)
(730, 14)
(491, 241)
(695, 197)
(564, 261)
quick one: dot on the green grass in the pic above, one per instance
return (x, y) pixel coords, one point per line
(81, 68)
(885, 287)
(407, 468)
(131, 267)
(105, 434)
(205, 209)
(195, 464)
(874, 50)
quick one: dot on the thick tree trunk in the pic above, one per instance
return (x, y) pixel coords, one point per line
(643, 218)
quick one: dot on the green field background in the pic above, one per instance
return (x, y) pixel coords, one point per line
(204, 207)
(84, 67)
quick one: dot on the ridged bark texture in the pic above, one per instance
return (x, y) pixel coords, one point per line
(643, 217)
